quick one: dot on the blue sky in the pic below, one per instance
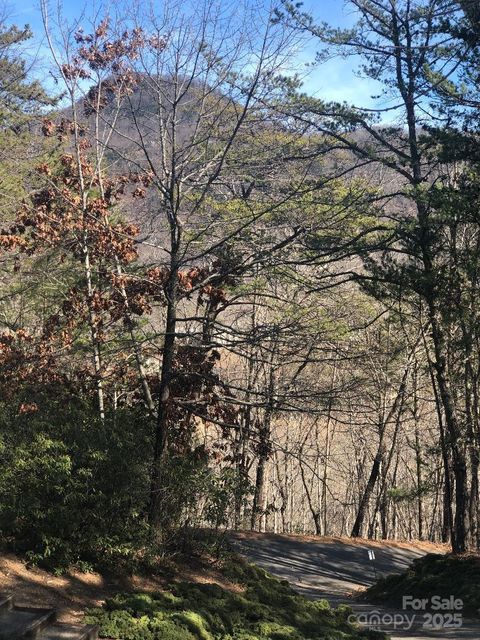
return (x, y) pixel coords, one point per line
(334, 80)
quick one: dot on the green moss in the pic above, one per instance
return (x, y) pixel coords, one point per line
(194, 622)
(433, 575)
(275, 631)
(121, 624)
(266, 609)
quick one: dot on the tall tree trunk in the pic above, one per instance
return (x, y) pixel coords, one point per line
(260, 494)
(447, 512)
(161, 430)
(418, 453)
(282, 487)
(93, 325)
(460, 524)
(328, 446)
(92, 317)
(406, 86)
(315, 512)
(377, 461)
(365, 499)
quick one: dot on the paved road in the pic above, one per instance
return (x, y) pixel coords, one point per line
(334, 570)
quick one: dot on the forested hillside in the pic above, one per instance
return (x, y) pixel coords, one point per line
(226, 301)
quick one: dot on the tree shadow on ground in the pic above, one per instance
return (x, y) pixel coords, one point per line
(314, 567)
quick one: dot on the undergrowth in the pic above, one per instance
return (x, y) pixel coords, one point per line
(261, 607)
(433, 575)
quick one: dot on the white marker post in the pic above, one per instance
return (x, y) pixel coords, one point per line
(371, 557)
